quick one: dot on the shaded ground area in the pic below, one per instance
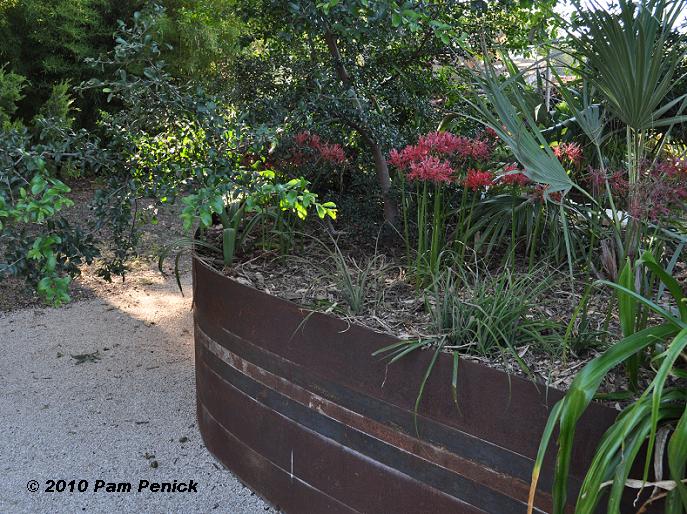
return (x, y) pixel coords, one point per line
(104, 389)
(16, 294)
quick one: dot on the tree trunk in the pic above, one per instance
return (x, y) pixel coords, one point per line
(384, 181)
(381, 167)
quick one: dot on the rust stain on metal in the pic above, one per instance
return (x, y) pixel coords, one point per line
(431, 453)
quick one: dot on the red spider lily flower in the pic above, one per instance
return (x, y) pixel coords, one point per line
(297, 158)
(332, 153)
(618, 183)
(490, 133)
(440, 145)
(302, 138)
(513, 176)
(305, 138)
(409, 155)
(315, 142)
(431, 169)
(396, 159)
(570, 152)
(539, 194)
(674, 168)
(597, 177)
(441, 142)
(477, 179)
(662, 192)
(480, 150)
(574, 153)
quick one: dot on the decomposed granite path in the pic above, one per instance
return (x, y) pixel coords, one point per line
(103, 390)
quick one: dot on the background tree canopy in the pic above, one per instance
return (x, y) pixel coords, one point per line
(148, 97)
(48, 41)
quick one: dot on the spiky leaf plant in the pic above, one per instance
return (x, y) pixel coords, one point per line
(661, 404)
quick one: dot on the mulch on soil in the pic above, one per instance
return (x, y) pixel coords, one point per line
(394, 305)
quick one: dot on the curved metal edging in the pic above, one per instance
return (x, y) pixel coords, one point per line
(296, 406)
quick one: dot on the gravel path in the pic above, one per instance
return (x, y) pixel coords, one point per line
(103, 389)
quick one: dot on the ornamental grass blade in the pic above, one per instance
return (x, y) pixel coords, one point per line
(672, 353)
(400, 347)
(389, 348)
(677, 457)
(554, 418)
(631, 445)
(617, 451)
(576, 401)
(411, 347)
(649, 303)
(421, 391)
(454, 378)
(669, 281)
(627, 305)
(568, 242)
(671, 266)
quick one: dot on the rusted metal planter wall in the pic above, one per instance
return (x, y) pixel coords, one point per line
(295, 405)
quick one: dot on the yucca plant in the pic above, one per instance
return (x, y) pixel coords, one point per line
(661, 405)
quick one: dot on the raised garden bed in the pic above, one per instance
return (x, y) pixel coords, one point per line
(294, 403)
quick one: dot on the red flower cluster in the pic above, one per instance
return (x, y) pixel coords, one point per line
(480, 150)
(477, 179)
(306, 139)
(665, 189)
(660, 191)
(673, 167)
(616, 181)
(569, 152)
(435, 153)
(457, 146)
(513, 177)
(431, 169)
(442, 144)
(332, 153)
(410, 154)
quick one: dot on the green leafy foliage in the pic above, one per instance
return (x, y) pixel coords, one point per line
(38, 244)
(358, 67)
(202, 37)
(50, 41)
(660, 404)
(253, 200)
(11, 86)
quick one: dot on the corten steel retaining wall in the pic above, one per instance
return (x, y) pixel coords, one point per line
(295, 405)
